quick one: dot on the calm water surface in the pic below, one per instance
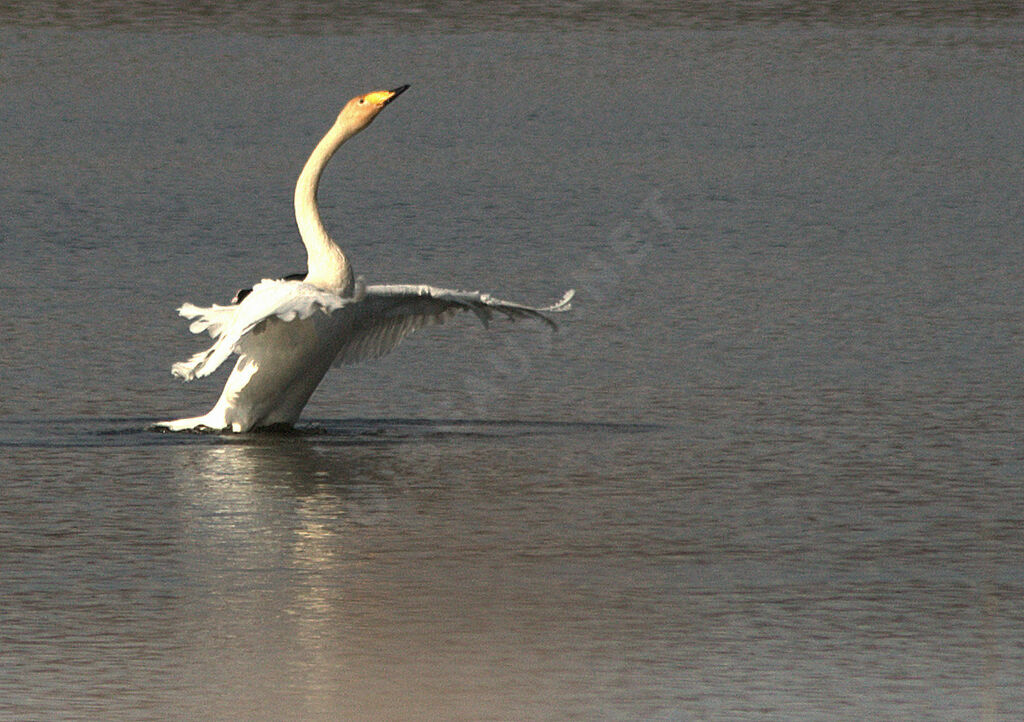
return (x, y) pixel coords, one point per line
(770, 466)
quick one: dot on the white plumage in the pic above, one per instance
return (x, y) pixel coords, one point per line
(288, 333)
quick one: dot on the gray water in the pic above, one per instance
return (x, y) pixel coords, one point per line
(769, 467)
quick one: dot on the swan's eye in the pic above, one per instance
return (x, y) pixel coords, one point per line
(362, 100)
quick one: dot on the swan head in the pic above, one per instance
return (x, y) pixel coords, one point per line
(362, 109)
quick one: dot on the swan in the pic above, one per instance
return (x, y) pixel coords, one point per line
(288, 332)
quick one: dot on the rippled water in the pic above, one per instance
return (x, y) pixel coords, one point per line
(769, 467)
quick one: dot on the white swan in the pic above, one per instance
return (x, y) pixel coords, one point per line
(288, 333)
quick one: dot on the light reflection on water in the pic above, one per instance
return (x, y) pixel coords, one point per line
(439, 573)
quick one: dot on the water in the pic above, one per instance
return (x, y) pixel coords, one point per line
(769, 467)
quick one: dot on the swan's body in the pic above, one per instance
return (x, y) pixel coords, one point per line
(288, 333)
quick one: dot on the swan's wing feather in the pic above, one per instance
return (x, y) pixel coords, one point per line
(241, 293)
(379, 317)
(228, 325)
(389, 313)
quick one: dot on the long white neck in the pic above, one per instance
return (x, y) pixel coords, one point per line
(326, 265)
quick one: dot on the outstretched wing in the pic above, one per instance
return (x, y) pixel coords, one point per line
(227, 325)
(388, 313)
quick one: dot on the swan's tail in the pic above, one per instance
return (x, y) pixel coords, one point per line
(196, 423)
